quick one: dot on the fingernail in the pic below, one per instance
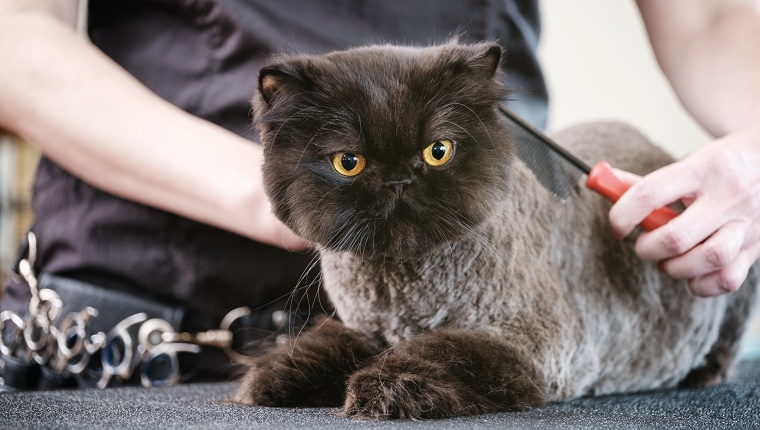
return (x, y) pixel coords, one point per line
(615, 234)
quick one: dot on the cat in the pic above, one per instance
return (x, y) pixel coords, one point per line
(461, 284)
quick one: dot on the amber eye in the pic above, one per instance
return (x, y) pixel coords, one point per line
(439, 153)
(348, 164)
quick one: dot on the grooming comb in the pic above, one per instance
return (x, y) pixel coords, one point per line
(559, 171)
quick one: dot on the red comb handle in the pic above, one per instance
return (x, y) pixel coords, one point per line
(602, 180)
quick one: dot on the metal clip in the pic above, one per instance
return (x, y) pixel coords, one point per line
(156, 331)
(217, 338)
(160, 366)
(26, 265)
(74, 344)
(151, 333)
(227, 322)
(47, 304)
(9, 344)
(37, 336)
(119, 354)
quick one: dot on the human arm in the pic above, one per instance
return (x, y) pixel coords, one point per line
(709, 50)
(94, 119)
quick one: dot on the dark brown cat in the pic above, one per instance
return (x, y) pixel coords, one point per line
(463, 286)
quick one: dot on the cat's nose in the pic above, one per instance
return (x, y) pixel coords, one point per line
(398, 186)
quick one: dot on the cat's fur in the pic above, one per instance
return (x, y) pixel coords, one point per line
(465, 288)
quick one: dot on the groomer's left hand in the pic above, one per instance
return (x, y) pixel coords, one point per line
(716, 239)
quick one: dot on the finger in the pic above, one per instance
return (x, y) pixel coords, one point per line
(698, 222)
(732, 276)
(715, 253)
(725, 280)
(627, 177)
(659, 188)
(631, 178)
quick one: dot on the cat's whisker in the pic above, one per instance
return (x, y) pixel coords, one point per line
(302, 327)
(301, 281)
(456, 228)
(469, 231)
(296, 362)
(306, 146)
(480, 120)
(485, 244)
(295, 114)
(473, 138)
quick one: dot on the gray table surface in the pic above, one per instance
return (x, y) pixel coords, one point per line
(734, 405)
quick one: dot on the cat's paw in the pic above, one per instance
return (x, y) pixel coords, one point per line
(414, 389)
(444, 374)
(308, 371)
(280, 379)
(718, 365)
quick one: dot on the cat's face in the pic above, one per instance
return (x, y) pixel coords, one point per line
(384, 151)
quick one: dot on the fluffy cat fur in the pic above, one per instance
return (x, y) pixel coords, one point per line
(464, 288)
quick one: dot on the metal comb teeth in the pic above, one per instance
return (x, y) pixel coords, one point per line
(555, 168)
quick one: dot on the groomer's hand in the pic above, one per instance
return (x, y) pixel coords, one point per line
(716, 239)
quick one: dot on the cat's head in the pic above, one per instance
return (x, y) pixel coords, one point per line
(384, 151)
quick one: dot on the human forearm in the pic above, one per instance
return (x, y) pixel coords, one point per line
(710, 52)
(94, 119)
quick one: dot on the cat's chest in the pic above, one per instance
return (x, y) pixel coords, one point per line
(398, 301)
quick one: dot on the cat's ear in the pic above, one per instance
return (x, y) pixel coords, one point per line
(276, 79)
(487, 58)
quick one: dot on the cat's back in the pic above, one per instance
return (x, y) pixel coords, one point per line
(621, 145)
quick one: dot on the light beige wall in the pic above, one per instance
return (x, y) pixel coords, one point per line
(599, 65)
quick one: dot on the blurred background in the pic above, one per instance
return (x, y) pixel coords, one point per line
(598, 65)
(17, 163)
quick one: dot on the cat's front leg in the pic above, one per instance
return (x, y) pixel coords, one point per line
(310, 370)
(443, 374)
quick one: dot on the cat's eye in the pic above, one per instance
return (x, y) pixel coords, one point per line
(438, 153)
(348, 164)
